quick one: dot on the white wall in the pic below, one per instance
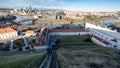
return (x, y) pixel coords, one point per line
(104, 34)
(68, 33)
(92, 26)
(109, 39)
(8, 35)
(101, 35)
(99, 43)
(40, 47)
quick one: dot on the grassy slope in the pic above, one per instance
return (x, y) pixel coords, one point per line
(76, 40)
(20, 60)
(85, 56)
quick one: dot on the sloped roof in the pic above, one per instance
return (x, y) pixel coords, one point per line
(6, 30)
(30, 32)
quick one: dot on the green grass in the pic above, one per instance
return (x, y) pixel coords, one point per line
(20, 60)
(74, 40)
(77, 42)
(18, 43)
(75, 52)
(37, 62)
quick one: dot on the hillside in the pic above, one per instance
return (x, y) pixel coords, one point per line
(85, 55)
(20, 59)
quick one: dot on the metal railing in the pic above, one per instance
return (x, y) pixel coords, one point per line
(51, 61)
(46, 62)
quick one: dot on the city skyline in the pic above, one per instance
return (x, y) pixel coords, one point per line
(74, 5)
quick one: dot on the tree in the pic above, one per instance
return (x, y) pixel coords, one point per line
(33, 21)
(60, 17)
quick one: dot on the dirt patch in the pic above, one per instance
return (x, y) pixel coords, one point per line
(78, 58)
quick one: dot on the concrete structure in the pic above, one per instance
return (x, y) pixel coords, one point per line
(104, 36)
(69, 32)
(26, 46)
(7, 33)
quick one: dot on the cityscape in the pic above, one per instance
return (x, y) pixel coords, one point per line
(60, 34)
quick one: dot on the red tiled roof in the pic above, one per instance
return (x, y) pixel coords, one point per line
(30, 32)
(6, 30)
(101, 40)
(69, 30)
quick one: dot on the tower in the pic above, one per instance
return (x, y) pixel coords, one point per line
(30, 8)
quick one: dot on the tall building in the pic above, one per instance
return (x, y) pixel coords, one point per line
(30, 8)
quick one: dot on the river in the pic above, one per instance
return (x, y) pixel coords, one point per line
(110, 22)
(21, 18)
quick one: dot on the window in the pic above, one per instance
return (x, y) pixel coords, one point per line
(95, 33)
(98, 34)
(102, 35)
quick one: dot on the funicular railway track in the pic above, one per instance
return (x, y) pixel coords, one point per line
(55, 62)
(51, 60)
(46, 62)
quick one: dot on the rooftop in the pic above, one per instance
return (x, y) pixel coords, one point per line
(6, 30)
(30, 32)
(111, 33)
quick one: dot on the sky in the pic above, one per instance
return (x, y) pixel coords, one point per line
(74, 5)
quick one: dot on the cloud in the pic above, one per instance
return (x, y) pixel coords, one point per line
(24, 3)
(98, 5)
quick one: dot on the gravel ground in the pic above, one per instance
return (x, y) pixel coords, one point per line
(79, 57)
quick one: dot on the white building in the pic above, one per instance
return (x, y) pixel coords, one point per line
(7, 33)
(104, 36)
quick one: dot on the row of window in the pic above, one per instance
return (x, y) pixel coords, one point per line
(96, 33)
(3, 36)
